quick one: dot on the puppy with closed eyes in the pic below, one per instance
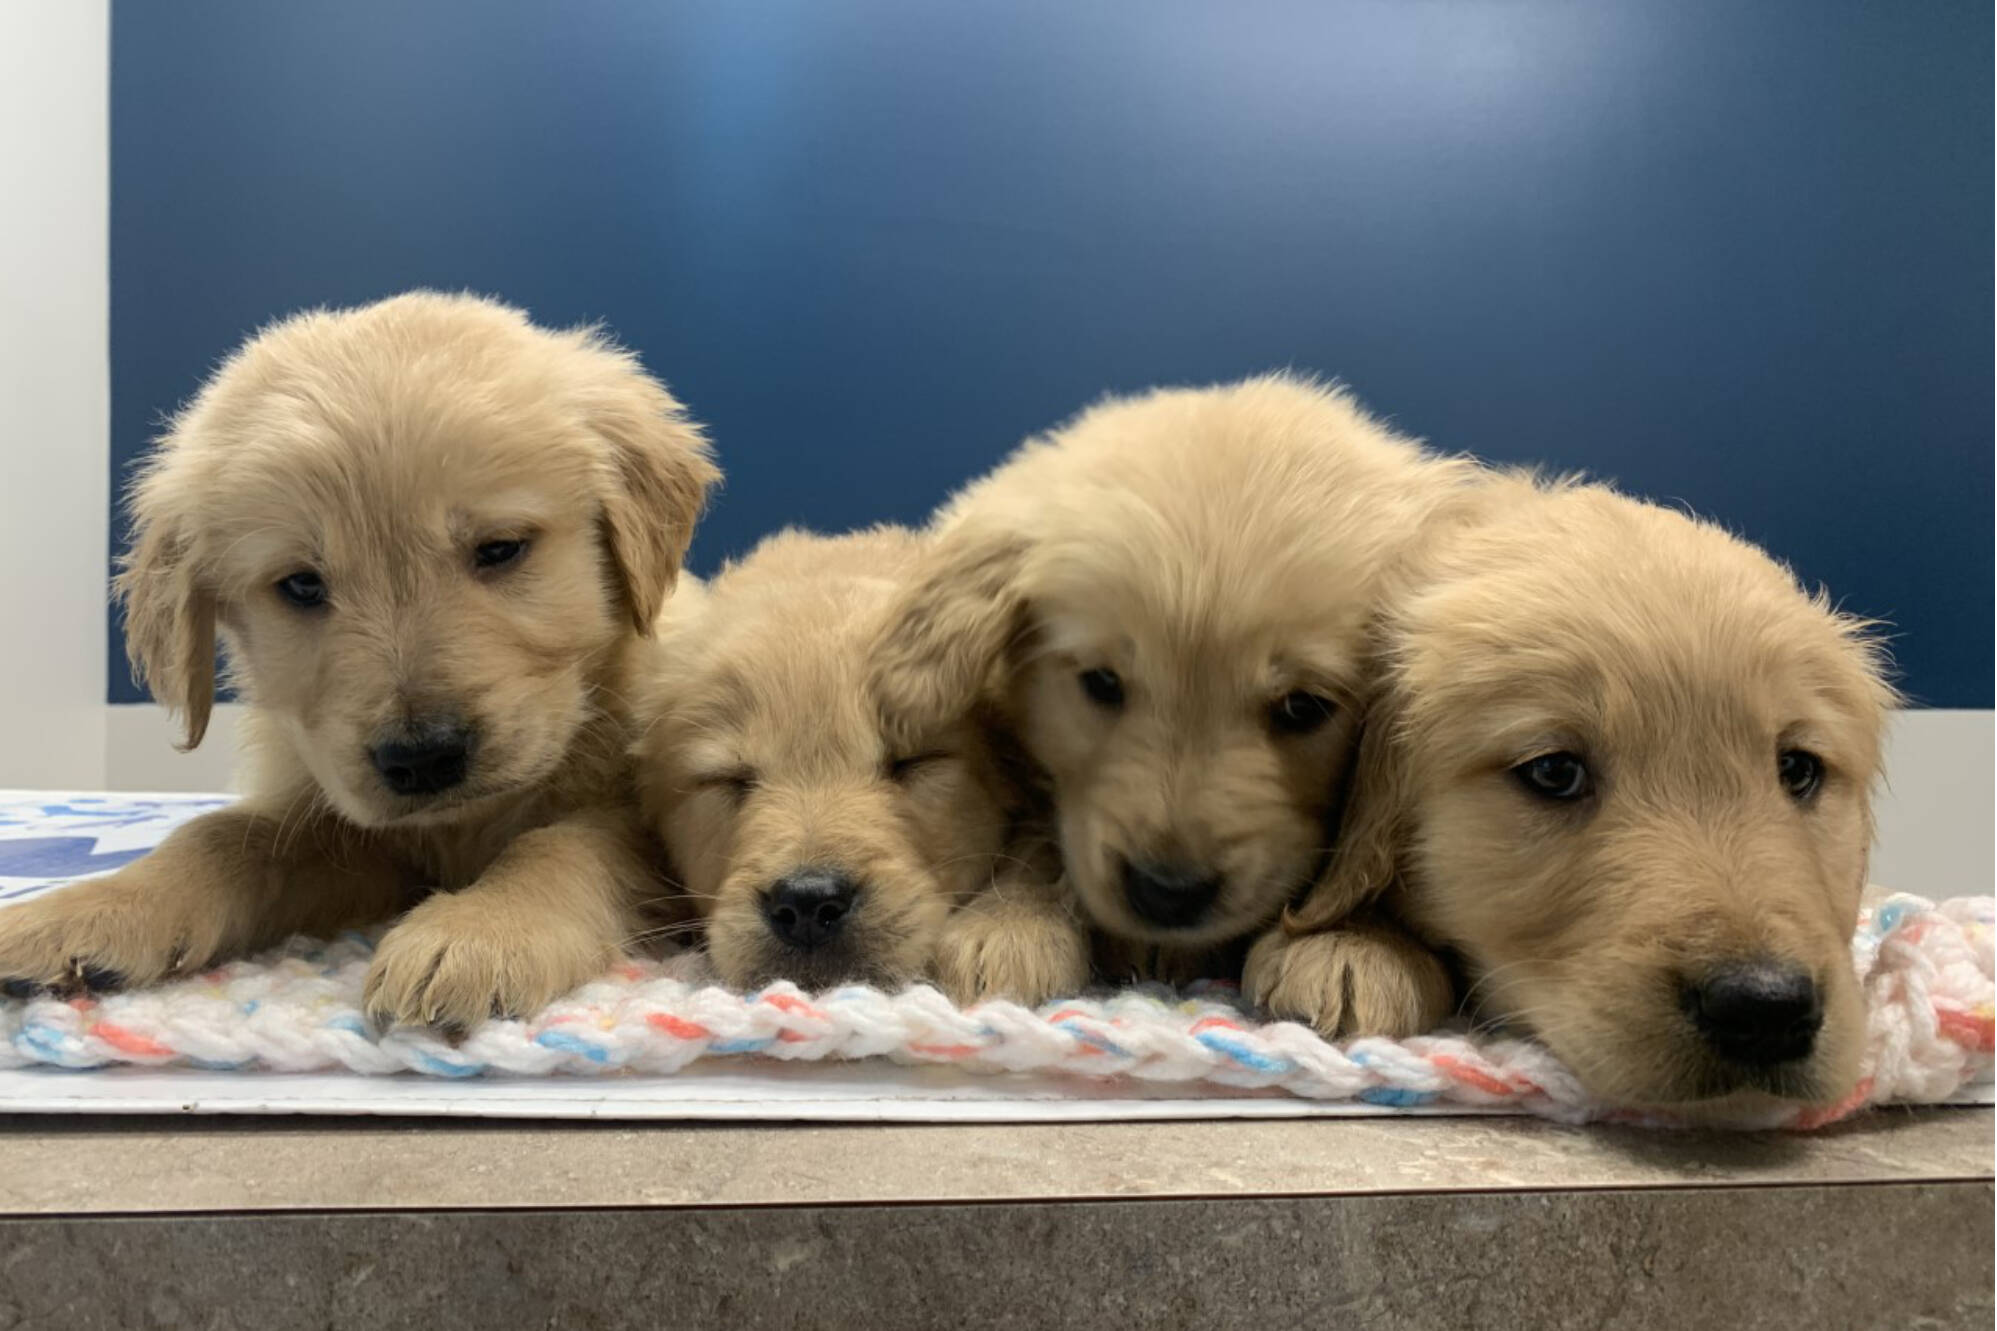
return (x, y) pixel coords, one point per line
(1620, 765)
(431, 538)
(1165, 602)
(813, 848)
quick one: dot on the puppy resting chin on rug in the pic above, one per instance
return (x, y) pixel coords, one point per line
(1620, 765)
(431, 537)
(812, 849)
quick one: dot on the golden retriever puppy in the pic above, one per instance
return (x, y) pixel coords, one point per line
(1166, 602)
(431, 538)
(813, 849)
(1621, 765)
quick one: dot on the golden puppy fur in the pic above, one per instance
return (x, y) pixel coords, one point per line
(766, 772)
(1618, 752)
(1166, 601)
(416, 525)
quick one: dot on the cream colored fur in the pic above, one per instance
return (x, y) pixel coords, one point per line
(380, 447)
(762, 756)
(1680, 662)
(1220, 550)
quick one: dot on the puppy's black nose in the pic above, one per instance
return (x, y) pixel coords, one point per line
(425, 761)
(1757, 1012)
(809, 907)
(1172, 896)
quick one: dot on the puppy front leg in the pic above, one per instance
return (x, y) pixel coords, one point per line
(1367, 976)
(553, 911)
(227, 883)
(1020, 939)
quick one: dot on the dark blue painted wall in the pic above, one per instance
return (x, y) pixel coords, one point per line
(1733, 254)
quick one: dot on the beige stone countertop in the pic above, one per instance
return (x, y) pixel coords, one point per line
(53, 1165)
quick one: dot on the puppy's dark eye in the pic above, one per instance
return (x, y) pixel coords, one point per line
(1555, 776)
(901, 769)
(1104, 687)
(1300, 713)
(303, 589)
(498, 554)
(1801, 771)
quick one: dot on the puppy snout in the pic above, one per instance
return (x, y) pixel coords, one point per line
(1758, 1012)
(809, 908)
(1172, 896)
(425, 760)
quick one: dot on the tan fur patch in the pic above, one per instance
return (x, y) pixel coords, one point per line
(1678, 664)
(762, 757)
(1366, 977)
(377, 450)
(1216, 551)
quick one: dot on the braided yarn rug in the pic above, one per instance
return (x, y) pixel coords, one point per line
(1926, 967)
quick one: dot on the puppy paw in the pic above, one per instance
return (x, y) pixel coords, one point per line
(129, 929)
(1350, 982)
(452, 963)
(1024, 955)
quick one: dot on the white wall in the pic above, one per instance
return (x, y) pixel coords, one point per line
(1935, 812)
(54, 389)
(139, 752)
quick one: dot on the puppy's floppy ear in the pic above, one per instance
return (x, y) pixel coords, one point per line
(169, 609)
(660, 472)
(1860, 686)
(949, 630)
(1373, 827)
(1861, 680)
(674, 659)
